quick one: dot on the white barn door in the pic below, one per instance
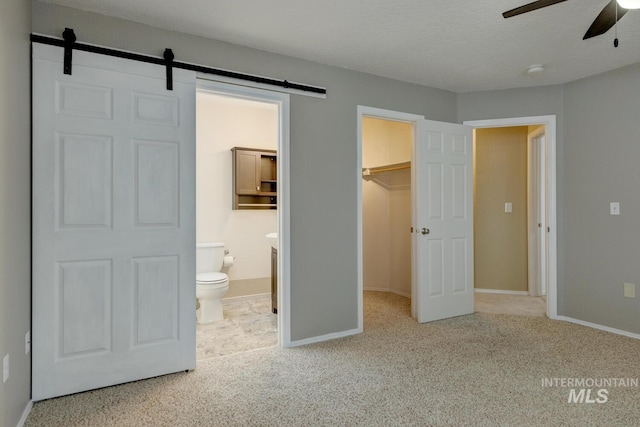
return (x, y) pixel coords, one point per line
(113, 222)
(443, 220)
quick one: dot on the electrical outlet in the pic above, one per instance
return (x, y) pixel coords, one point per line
(629, 290)
(508, 207)
(27, 342)
(5, 369)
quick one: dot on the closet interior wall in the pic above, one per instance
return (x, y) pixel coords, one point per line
(387, 206)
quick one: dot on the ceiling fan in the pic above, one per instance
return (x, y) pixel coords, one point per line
(603, 22)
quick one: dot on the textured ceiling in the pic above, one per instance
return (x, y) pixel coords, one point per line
(457, 45)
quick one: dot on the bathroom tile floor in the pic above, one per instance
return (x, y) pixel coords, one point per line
(247, 325)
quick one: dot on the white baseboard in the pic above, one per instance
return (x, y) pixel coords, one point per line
(247, 297)
(326, 337)
(393, 291)
(500, 291)
(25, 414)
(600, 327)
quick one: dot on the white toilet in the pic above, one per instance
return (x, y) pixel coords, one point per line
(211, 284)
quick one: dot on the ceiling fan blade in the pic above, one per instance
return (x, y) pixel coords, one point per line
(530, 7)
(605, 20)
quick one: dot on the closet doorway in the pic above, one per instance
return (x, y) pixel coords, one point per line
(386, 156)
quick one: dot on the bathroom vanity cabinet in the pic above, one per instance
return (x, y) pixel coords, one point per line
(274, 280)
(255, 179)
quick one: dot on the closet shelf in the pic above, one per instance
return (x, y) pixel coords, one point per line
(386, 168)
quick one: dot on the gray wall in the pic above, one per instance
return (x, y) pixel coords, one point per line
(602, 165)
(323, 151)
(15, 269)
(498, 104)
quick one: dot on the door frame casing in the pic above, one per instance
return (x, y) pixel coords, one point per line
(282, 101)
(551, 186)
(378, 113)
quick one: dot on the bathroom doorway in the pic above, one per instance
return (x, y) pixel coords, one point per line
(234, 124)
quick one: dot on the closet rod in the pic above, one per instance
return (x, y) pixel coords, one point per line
(35, 38)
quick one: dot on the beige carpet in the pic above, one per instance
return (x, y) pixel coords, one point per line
(520, 305)
(481, 369)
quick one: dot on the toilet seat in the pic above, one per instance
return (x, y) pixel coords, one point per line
(212, 278)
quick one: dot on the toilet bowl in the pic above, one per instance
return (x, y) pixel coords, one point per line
(210, 288)
(211, 284)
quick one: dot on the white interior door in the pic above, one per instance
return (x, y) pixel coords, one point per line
(113, 222)
(543, 241)
(443, 220)
(536, 214)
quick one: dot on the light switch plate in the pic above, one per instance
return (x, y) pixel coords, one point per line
(614, 208)
(508, 207)
(629, 290)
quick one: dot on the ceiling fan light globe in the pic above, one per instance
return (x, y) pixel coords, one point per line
(629, 4)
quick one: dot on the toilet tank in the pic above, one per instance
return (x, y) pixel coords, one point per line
(209, 257)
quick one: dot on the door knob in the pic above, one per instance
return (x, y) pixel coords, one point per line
(426, 231)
